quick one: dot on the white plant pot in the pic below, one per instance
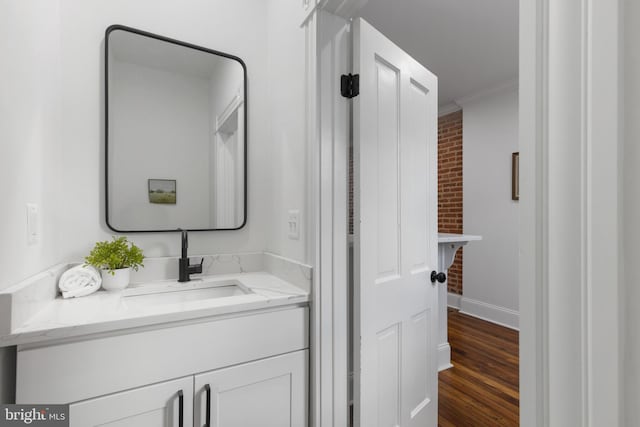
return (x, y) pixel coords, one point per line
(116, 281)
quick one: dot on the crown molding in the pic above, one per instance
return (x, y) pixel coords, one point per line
(452, 107)
(492, 90)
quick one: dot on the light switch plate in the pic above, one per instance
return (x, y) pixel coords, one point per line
(33, 234)
(294, 224)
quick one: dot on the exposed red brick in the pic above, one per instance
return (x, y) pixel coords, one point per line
(450, 187)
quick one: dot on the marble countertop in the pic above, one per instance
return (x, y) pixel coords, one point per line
(113, 311)
(456, 238)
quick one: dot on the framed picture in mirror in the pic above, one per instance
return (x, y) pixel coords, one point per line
(162, 191)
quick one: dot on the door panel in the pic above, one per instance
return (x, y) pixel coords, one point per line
(266, 393)
(388, 373)
(395, 244)
(388, 180)
(150, 406)
(416, 164)
(417, 354)
(232, 405)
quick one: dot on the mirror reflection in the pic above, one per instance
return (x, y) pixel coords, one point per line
(176, 135)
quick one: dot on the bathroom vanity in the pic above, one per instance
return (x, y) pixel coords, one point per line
(223, 342)
(224, 349)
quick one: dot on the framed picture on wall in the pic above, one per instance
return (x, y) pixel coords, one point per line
(515, 176)
(162, 191)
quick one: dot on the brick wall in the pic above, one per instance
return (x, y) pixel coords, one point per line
(450, 187)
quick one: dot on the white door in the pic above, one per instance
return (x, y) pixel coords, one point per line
(167, 404)
(395, 146)
(266, 393)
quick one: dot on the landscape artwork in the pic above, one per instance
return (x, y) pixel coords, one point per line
(162, 191)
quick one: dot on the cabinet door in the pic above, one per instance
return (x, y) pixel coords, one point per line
(166, 404)
(266, 393)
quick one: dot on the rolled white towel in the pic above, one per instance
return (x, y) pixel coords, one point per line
(79, 281)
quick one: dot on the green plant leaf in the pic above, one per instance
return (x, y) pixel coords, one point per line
(115, 254)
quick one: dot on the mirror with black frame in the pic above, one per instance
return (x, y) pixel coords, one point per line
(176, 130)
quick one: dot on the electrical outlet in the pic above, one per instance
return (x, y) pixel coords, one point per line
(33, 234)
(294, 225)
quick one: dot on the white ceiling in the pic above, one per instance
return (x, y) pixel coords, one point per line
(471, 45)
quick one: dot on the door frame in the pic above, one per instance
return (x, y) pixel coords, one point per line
(327, 56)
(570, 93)
(570, 141)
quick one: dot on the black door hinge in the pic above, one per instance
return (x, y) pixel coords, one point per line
(350, 85)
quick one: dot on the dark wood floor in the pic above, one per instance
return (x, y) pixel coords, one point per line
(482, 387)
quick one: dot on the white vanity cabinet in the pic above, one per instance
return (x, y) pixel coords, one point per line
(255, 365)
(265, 393)
(158, 405)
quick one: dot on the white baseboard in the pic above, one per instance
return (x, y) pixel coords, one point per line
(444, 357)
(453, 300)
(491, 313)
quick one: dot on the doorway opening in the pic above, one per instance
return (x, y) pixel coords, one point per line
(473, 49)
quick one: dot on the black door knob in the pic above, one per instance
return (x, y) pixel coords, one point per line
(440, 277)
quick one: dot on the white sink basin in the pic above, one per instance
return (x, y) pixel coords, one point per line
(176, 293)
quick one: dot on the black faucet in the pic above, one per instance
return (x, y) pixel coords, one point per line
(185, 269)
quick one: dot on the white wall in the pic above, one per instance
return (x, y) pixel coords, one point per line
(490, 268)
(631, 214)
(52, 150)
(287, 156)
(29, 133)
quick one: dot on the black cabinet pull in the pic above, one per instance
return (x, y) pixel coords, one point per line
(207, 388)
(180, 408)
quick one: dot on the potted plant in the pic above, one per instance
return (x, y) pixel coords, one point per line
(115, 259)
